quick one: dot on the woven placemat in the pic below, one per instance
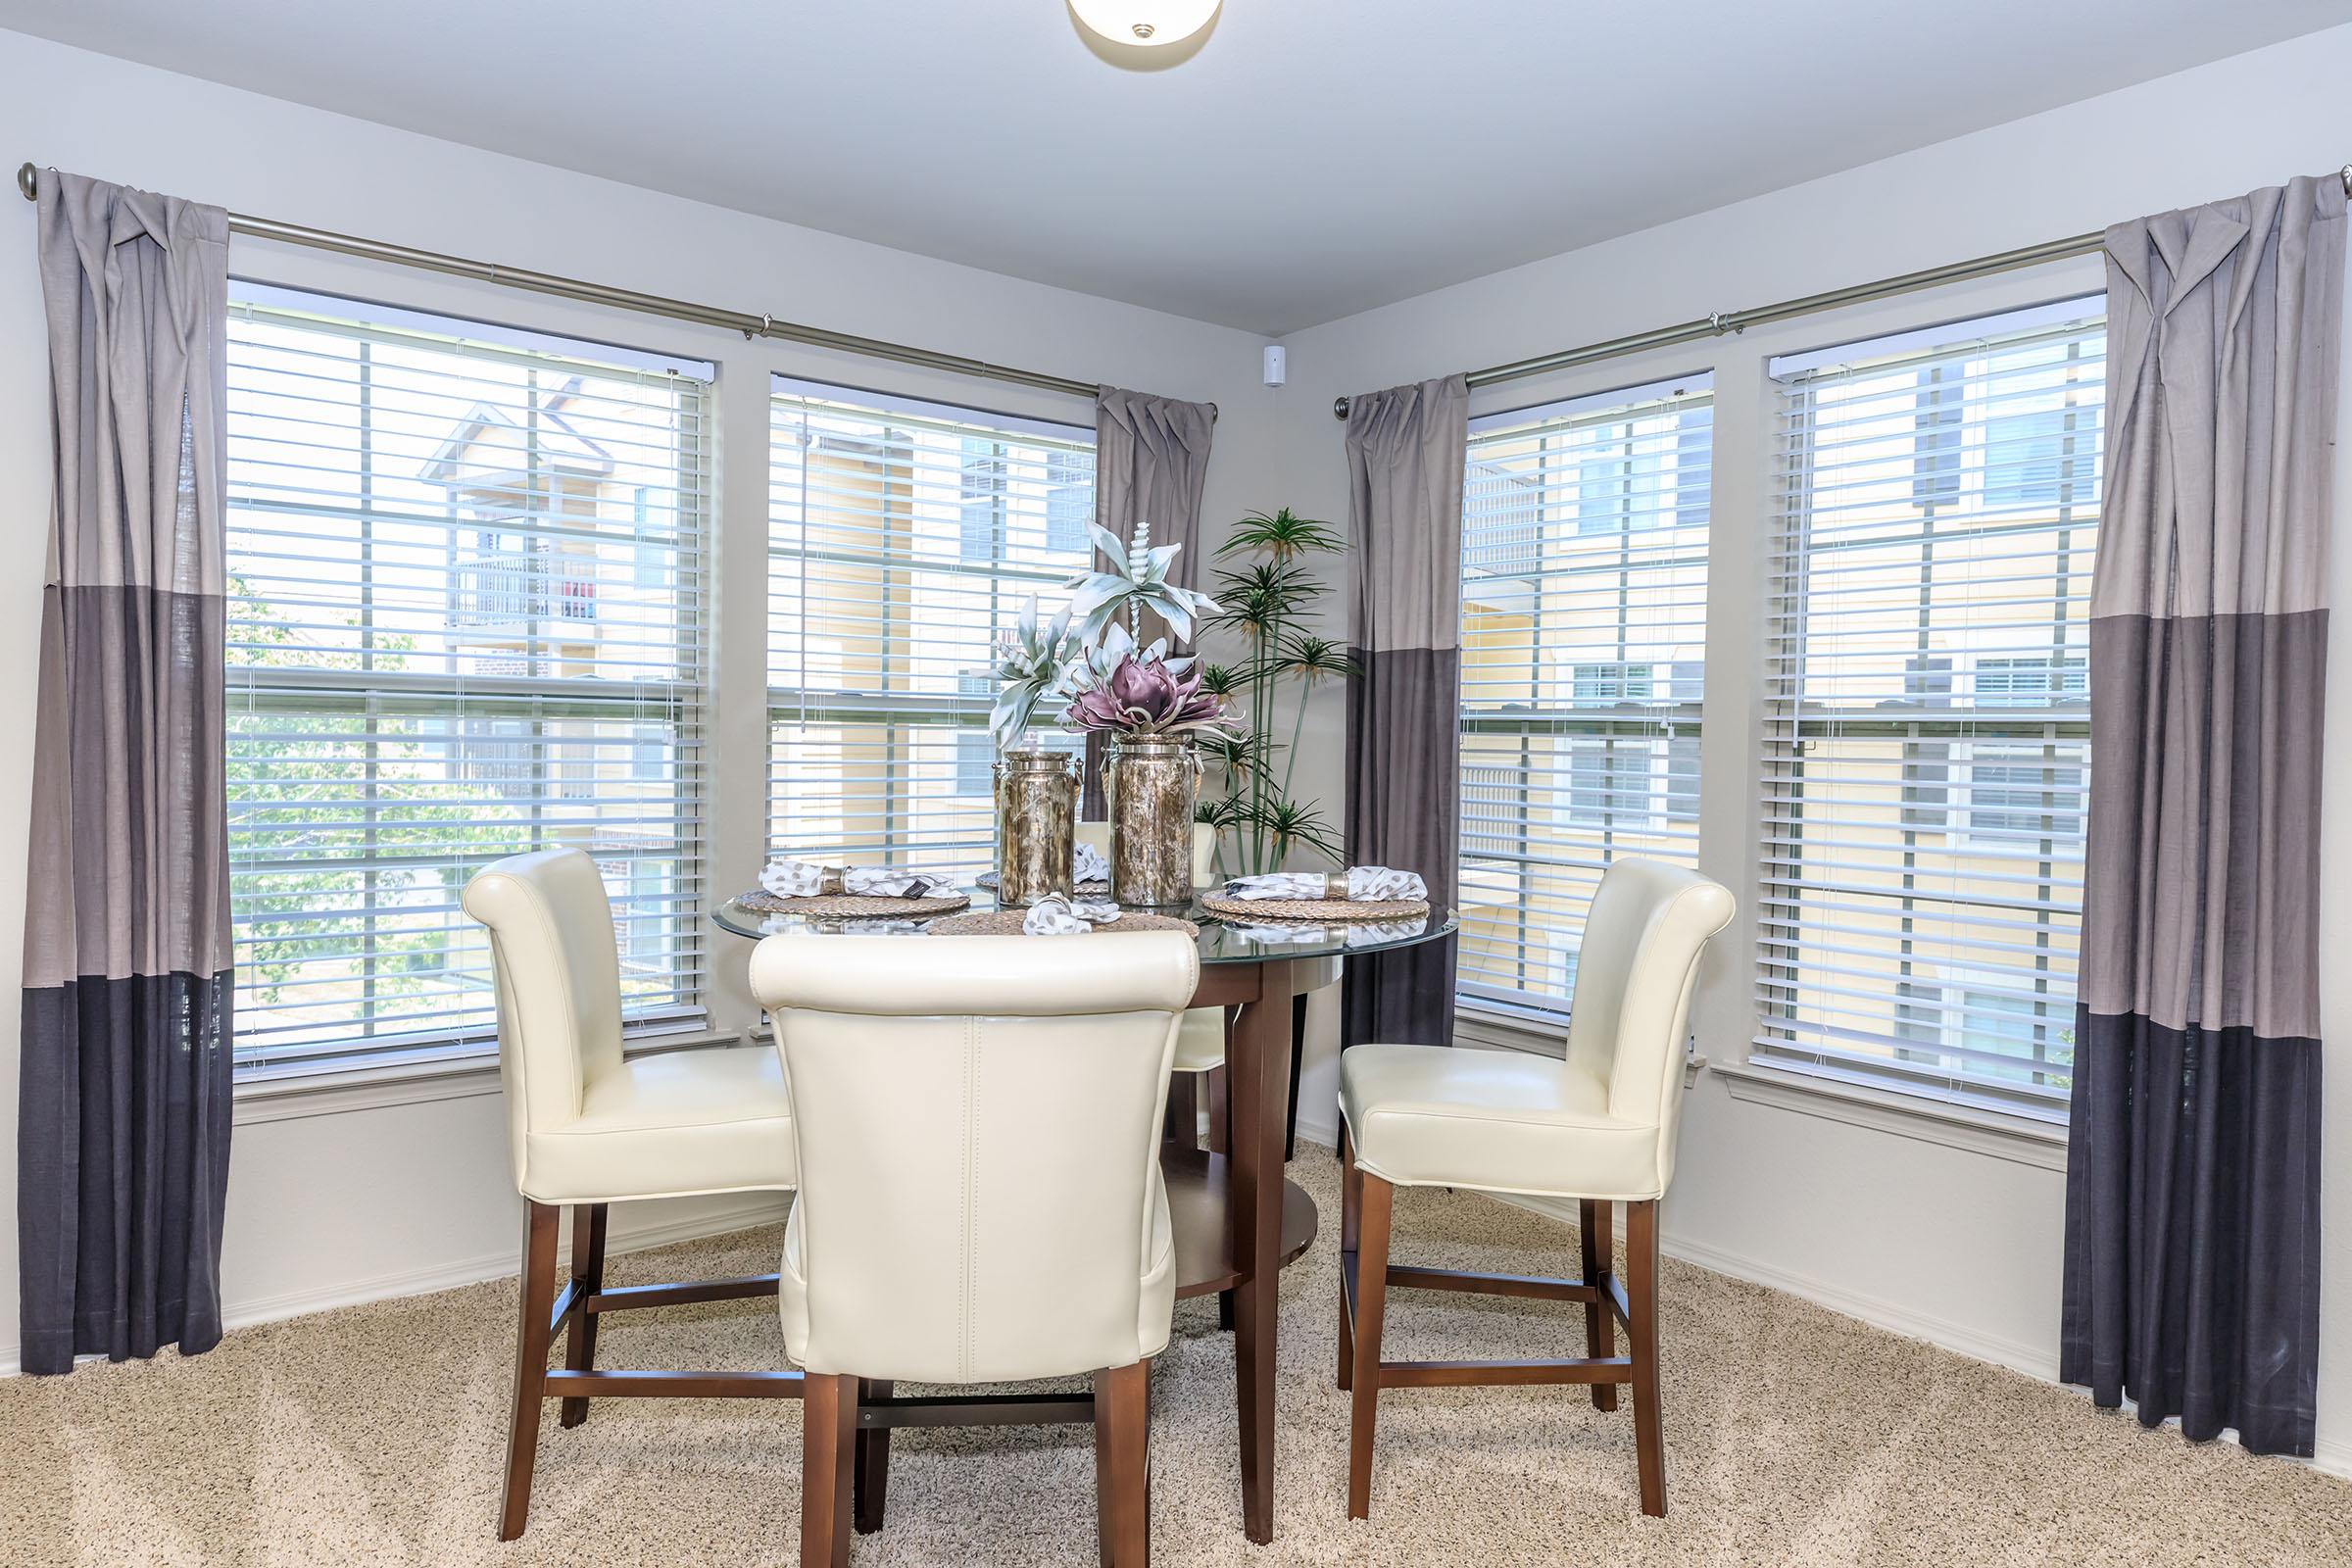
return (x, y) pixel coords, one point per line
(1324, 909)
(851, 904)
(1007, 923)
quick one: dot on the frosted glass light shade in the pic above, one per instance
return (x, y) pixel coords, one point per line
(1148, 24)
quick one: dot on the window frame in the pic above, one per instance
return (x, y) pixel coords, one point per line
(999, 481)
(1643, 714)
(492, 723)
(1944, 727)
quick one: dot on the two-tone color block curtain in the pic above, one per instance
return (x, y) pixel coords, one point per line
(2192, 1235)
(123, 1112)
(1408, 449)
(1151, 466)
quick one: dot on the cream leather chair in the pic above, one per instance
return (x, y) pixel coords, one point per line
(1599, 1127)
(588, 1127)
(978, 1143)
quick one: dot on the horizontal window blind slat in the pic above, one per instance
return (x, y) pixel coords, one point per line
(1926, 771)
(902, 542)
(1583, 585)
(466, 621)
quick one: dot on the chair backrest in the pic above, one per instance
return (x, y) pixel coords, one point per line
(1644, 932)
(557, 979)
(978, 1126)
(1204, 847)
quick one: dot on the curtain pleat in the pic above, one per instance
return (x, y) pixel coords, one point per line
(1406, 451)
(2192, 1219)
(124, 1085)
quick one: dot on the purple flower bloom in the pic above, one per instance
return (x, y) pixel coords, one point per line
(1142, 697)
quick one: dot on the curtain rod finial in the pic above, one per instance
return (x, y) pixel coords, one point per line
(28, 180)
(1339, 408)
(2345, 175)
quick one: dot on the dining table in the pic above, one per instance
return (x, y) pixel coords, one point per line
(1237, 1219)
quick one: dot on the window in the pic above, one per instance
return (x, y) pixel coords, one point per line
(1584, 611)
(444, 645)
(903, 538)
(1927, 750)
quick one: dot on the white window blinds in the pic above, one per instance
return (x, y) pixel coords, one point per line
(1926, 750)
(903, 540)
(1582, 645)
(464, 622)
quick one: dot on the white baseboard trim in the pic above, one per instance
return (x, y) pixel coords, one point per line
(751, 1210)
(2032, 1360)
(2332, 1456)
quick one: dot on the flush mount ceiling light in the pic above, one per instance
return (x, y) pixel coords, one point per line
(1148, 24)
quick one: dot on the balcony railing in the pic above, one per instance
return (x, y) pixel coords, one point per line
(514, 590)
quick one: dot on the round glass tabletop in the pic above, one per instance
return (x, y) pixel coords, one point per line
(1223, 940)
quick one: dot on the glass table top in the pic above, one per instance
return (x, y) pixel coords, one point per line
(1222, 940)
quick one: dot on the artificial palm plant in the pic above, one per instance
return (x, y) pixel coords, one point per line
(1269, 597)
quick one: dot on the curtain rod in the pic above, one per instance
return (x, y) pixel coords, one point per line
(570, 289)
(1723, 321)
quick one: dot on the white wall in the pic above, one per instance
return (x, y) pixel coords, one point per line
(1942, 1241)
(330, 1202)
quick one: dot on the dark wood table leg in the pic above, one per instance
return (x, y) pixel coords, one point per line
(1182, 1125)
(1260, 1072)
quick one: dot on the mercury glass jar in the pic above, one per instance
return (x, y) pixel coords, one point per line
(1037, 815)
(1152, 785)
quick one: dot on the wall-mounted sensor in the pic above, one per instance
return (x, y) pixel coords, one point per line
(1278, 365)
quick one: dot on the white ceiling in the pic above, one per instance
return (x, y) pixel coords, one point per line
(1313, 157)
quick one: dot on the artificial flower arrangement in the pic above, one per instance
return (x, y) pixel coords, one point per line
(1084, 658)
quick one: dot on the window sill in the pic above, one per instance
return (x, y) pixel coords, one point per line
(1510, 1029)
(2024, 1139)
(292, 1091)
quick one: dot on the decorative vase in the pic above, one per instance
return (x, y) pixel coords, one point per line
(1152, 786)
(1037, 814)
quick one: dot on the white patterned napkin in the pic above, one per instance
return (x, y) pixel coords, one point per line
(788, 878)
(1364, 883)
(1057, 914)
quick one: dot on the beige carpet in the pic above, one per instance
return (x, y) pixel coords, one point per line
(1793, 1436)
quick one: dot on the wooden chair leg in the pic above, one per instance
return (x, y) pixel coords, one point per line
(1350, 1196)
(588, 1268)
(1641, 1335)
(1373, 1211)
(828, 1433)
(1594, 1219)
(870, 1491)
(538, 1300)
(1122, 1464)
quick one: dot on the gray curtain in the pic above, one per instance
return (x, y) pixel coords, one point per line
(2192, 1221)
(1406, 448)
(1151, 462)
(124, 1110)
